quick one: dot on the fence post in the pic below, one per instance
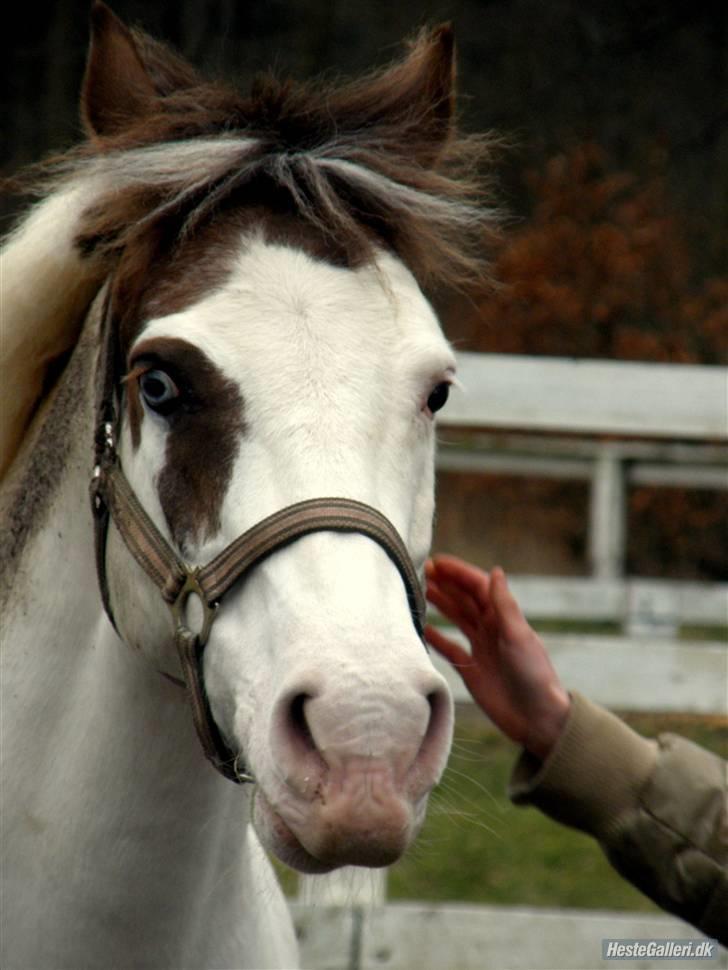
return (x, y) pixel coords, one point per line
(607, 514)
(348, 886)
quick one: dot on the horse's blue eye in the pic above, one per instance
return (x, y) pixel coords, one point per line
(159, 390)
(438, 397)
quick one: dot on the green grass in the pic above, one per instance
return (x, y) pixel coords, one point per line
(477, 847)
(604, 627)
(717, 633)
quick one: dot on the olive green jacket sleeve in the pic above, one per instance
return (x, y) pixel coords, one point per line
(658, 808)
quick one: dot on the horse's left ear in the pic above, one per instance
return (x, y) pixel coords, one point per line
(127, 73)
(411, 103)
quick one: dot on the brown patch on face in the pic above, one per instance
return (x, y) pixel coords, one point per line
(191, 270)
(202, 441)
(159, 274)
(283, 228)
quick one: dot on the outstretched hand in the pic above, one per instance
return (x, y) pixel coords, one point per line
(508, 671)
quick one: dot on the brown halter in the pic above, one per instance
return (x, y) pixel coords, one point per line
(113, 498)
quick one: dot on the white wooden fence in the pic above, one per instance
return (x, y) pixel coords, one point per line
(612, 424)
(622, 673)
(626, 424)
(412, 936)
(590, 397)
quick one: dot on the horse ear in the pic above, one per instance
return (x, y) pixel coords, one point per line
(117, 89)
(414, 97)
(433, 66)
(127, 73)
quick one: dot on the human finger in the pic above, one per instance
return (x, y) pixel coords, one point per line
(458, 609)
(448, 648)
(469, 579)
(469, 607)
(473, 675)
(510, 616)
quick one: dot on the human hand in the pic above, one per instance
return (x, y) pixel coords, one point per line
(508, 670)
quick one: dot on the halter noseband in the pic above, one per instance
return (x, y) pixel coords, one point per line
(113, 498)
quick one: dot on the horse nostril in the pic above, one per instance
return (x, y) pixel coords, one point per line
(439, 725)
(298, 724)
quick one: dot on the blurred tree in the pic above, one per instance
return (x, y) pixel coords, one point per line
(601, 268)
(677, 532)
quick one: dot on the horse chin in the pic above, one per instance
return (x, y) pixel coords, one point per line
(311, 853)
(278, 839)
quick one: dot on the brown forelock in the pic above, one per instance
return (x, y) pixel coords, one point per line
(203, 437)
(397, 123)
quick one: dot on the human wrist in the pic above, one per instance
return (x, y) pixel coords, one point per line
(546, 729)
(593, 776)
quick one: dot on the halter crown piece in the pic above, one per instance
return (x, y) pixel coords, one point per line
(112, 497)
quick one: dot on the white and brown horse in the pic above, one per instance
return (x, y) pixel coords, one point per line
(242, 275)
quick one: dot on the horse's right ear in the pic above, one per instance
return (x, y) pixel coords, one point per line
(127, 73)
(117, 89)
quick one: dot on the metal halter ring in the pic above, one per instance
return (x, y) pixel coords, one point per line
(192, 587)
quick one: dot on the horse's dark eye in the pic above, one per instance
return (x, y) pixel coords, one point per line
(438, 397)
(159, 391)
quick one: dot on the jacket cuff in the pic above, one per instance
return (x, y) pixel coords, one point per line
(592, 776)
(713, 922)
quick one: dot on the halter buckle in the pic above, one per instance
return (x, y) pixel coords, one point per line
(192, 587)
(109, 439)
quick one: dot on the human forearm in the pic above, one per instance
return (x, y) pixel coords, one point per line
(658, 808)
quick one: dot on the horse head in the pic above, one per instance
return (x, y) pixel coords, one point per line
(271, 343)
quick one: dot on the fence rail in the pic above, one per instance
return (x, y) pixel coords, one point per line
(593, 397)
(634, 603)
(416, 936)
(664, 425)
(630, 674)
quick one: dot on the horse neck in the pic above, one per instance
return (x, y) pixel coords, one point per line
(100, 750)
(46, 511)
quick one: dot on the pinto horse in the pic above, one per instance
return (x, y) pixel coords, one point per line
(215, 314)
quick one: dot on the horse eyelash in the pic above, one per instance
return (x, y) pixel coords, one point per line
(453, 381)
(136, 372)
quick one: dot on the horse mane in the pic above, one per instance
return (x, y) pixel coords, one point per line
(369, 163)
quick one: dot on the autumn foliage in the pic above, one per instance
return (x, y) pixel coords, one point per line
(601, 268)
